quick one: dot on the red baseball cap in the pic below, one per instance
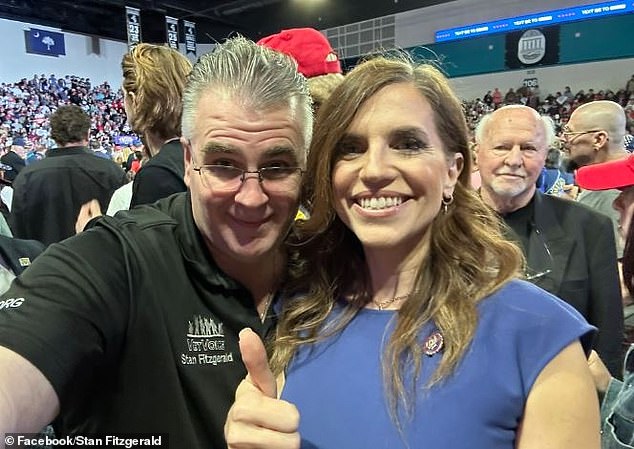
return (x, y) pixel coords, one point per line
(308, 47)
(607, 175)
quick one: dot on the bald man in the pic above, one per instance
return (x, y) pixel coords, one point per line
(569, 248)
(594, 134)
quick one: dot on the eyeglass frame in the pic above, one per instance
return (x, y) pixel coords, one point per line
(566, 134)
(244, 176)
(530, 277)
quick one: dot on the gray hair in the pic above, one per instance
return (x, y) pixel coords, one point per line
(253, 75)
(548, 123)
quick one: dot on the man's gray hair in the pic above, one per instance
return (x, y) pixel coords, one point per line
(254, 76)
(547, 122)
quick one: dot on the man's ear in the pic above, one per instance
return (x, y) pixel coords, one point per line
(601, 139)
(187, 159)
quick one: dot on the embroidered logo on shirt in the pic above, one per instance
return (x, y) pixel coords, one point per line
(205, 343)
(24, 261)
(11, 303)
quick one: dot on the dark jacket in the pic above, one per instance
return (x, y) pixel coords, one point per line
(49, 193)
(13, 160)
(18, 254)
(575, 246)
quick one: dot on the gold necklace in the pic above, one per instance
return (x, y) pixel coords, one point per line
(381, 305)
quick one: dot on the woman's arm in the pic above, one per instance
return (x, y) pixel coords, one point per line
(562, 409)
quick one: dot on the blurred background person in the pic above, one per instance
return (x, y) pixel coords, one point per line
(48, 194)
(16, 256)
(13, 157)
(554, 180)
(570, 249)
(154, 78)
(618, 401)
(315, 57)
(594, 134)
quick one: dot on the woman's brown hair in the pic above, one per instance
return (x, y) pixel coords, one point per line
(468, 257)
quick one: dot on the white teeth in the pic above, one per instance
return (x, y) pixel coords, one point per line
(380, 202)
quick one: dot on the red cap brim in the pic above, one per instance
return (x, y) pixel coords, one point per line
(608, 175)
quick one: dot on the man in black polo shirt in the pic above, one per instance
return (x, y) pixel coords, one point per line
(132, 325)
(48, 194)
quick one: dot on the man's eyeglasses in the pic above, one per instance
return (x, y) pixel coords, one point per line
(568, 136)
(533, 275)
(227, 178)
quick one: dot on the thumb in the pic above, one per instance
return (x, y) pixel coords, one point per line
(256, 362)
(94, 208)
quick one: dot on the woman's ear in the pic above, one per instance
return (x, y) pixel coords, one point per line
(455, 166)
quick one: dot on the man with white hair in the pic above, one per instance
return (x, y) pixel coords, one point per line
(569, 248)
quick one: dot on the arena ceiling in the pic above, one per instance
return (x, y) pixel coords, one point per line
(215, 20)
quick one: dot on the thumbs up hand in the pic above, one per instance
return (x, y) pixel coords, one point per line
(257, 419)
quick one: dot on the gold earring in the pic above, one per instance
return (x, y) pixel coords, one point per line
(446, 202)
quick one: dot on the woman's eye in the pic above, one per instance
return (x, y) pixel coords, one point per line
(410, 144)
(349, 148)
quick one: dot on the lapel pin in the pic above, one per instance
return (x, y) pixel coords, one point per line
(433, 344)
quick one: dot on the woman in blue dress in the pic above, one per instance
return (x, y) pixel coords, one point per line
(404, 325)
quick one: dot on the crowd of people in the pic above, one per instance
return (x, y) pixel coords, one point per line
(26, 106)
(333, 219)
(558, 105)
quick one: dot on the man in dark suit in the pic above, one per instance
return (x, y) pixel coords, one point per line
(48, 194)
(569, 248)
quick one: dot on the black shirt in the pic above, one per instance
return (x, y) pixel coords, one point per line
(161, 176)
(521, 223)
(48, 194)
(135, 327)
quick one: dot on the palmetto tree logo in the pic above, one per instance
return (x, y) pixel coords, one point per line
(49, 42)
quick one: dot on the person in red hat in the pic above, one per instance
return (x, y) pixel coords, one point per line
(617, 174)
(618, 397)
(316, 59)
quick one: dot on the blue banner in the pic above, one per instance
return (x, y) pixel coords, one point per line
(126, 140)
(541, 19)
(42, 42)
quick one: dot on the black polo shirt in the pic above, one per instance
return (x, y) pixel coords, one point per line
(135, 327)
